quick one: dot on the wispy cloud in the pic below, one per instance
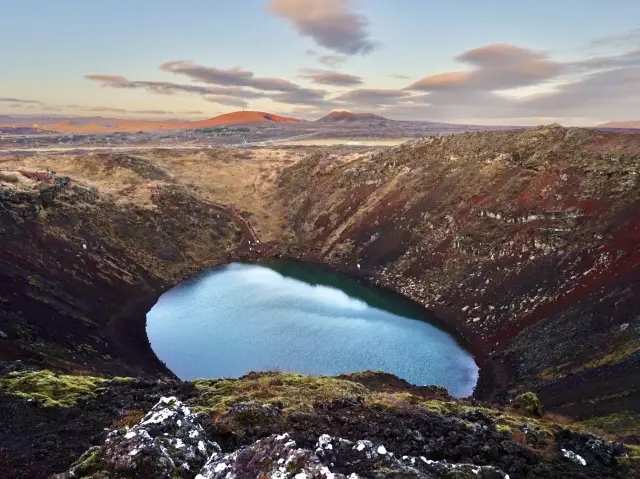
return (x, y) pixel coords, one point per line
(231, 87)
(333, 61)
(332, 24)
(153, 112)
(372, 97)
(169, 88)
(629, 39)
(227, 100)
(329, 77)
(19, 100)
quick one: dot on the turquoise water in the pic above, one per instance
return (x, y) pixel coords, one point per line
(300, 317)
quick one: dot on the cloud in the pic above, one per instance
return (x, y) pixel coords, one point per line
(310, 52)
(19, 100)
(621, 60)
(191, 112)
(494, 67)
(153, 112)
(169, 88)
(596, 87)
(501, 83)
(401, 77)
(304, 96)
(105, 109)
(616, 91)
(372, 97)
(333, 61)
(328, 77)
(227, 100)
(230, 77)
(623, 40)
(330, 23)
(232, 87)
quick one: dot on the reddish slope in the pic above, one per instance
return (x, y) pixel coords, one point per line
(240, 117)
(523, 241)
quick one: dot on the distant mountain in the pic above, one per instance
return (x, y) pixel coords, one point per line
(105, 125)
(339, 116)
(240, 118)
(621, 124)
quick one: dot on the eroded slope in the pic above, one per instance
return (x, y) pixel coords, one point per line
(527, 242)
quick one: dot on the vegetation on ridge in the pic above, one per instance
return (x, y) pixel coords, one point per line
(53, 389)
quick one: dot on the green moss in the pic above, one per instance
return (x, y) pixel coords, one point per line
(88, 463)
(630, 465)
(528, 403)
(620, 353)
(52, 389)
(291, 468)
(293, 391)
(615, 356)
(621, 424)
(634, 450)
(503, 428)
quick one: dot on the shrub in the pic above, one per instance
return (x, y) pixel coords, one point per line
(529, 404)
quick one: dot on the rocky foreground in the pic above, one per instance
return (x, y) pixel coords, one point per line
(275, 425)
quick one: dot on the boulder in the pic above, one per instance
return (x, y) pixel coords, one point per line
(167, 443)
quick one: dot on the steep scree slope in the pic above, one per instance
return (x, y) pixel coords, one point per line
(527, 242)
(79, 271)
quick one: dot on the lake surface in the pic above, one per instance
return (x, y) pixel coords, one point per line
(299, 317)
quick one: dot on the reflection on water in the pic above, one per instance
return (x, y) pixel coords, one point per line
(299, 317)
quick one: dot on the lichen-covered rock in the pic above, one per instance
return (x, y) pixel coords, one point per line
(278, 457)
(167, 443)
(588, 449)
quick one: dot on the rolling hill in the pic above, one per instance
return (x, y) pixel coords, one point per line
(343, 116)
(240, 118)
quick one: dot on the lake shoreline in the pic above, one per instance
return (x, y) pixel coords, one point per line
(274, 301)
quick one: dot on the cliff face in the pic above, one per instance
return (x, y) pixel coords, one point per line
(527, 242)
(79, 271)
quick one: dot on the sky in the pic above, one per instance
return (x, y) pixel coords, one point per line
(576, 62)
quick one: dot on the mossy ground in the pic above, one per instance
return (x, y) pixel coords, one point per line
(619, 424)
(293, 391)
(53, 389)
(297, 393)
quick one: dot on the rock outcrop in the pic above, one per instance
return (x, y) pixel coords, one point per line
(289, 426)
(168, 442)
